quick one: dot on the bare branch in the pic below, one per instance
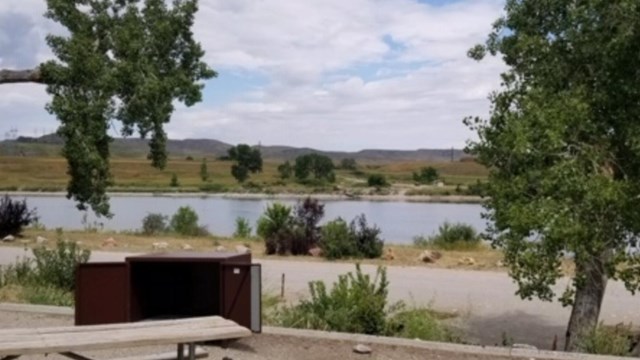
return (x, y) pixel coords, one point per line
(21, 76)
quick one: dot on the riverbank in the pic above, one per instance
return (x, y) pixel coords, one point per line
(452, 199)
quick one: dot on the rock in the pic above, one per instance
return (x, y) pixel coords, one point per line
(41, 240)
(500, 263)
(220, 248)
(243, 249)
(436, 254)
(160, 245)
(362, 349)
(110, 242)
(389, 255)
(467, 261)
(428, 257)
(315, 252)
(187, 247)
(8, 238)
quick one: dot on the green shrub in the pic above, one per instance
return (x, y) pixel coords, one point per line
(185, 222)
(355, 304)
(154, 224)
(20, 272)
(174, 180)
(243, 229)
(308, 214)
(213, 188)
(426, 175)
(275, 226)
(419, 323)
(606, 340)
(336, 241)
(57, 267)
(47, 295)
(455, 236)
(14, 216)
(377, 180)
(368, 241)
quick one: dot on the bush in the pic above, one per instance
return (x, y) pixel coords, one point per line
(14, 216)
(47, 295)
(243, 229)
(154, 224)
(355, 304)
(454, 236)
(213, 188)
(57, 267)
(368, 241)
(275, 226)
(337, 241)
(423, 324)
(426, 175)
(606, 340)
(308, 214)
(377, 180)
(174, 180)
(185, 222)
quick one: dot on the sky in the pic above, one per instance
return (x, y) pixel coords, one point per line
(327, 74)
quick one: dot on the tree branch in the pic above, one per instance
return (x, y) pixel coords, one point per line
(20, 76)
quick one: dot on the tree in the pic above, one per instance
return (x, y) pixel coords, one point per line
(204, 171)
(319, 166)
(562, 149)
(427, 175)
(377, 180)
(285, 169)
(119, 61)
(248, 160)
(348, 164)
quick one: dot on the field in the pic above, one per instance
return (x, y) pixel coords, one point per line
(136, 174)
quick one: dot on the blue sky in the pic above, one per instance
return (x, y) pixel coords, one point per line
(328, 74)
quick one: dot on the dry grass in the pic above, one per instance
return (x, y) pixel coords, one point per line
(404, 255)
(49, 173)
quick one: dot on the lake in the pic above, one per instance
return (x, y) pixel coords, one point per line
(399, 221)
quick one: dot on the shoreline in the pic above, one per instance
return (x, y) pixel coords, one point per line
(452, 199)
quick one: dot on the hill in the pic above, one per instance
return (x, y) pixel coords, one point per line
(50, 145)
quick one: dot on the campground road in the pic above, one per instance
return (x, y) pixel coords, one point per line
(486, 300)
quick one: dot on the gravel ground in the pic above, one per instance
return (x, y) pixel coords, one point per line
(267, 347)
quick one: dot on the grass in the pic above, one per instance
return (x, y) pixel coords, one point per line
(48, 173)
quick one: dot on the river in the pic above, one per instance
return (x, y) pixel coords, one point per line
(399, 221)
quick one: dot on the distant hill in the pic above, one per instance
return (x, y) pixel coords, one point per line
(49, 145)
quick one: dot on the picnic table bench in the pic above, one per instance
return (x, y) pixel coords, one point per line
(69, 340)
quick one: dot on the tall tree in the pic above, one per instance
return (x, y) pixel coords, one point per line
(319, 166)
(248, 160)
(123, 60)
(562, 145)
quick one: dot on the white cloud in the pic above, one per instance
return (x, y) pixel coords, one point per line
(340, 74)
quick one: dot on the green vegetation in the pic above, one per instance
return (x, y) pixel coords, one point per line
(561, 145)
(174, 180)
(14, 216)
(285, 170)
(377, 180)
(316, 166)
(348, 164)
(243, 229)
(154, 224)
(356, 240)
(426, 175)
(358, 303)
(248, 160)
(204, 170)
(95, 80)
(456, 236)
(48, 279)
(604, 340)
(185, 222)
(275, 226)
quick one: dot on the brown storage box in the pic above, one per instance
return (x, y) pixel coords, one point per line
(169, 285)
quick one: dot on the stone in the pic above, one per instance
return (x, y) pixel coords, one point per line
(162, 245)
(187, 247)
(220, 248)
(243, 249)
(389, 255)
(500, 263)
(362, 349)
(315, 252)
(110, 242)
(428, 257)
(8, 238)
(41, 240)
(469, 261)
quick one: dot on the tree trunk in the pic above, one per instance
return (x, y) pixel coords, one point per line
(587, 302)
(20, 76)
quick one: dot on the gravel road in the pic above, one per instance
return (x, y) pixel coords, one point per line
(485, 299)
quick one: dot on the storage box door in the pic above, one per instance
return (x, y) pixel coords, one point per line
(101, 293)
(239, 296)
